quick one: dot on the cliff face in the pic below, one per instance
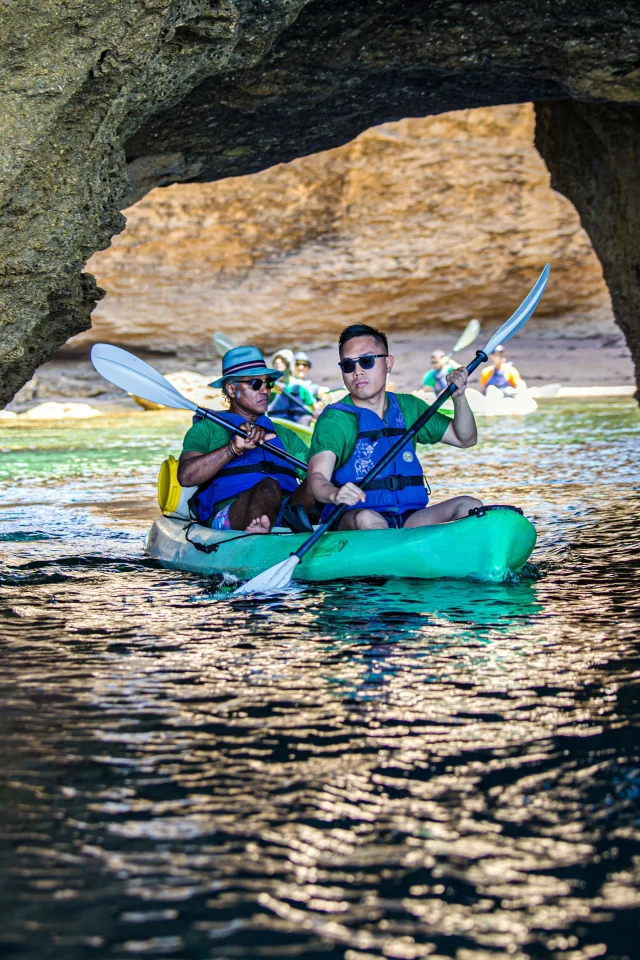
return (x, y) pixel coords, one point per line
(594, 153)
(415, 223)
(105, 99)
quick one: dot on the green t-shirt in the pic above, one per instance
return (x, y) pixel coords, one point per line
(430, 375)
(205, 436)
(302, 393)
(337, 430)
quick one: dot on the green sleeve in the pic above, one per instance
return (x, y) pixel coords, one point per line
(412, 408)
(301, 393)
(293, 445)
(335, 431)
(305, 396)
(205, 436)
(429, 379)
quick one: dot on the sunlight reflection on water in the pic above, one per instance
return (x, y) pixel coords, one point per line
(378, 769)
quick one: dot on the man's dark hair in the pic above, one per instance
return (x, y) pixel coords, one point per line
(362, 330)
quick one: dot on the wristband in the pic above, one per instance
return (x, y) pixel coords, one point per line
(232, 449)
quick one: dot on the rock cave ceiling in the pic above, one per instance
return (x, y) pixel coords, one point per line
(106, 99)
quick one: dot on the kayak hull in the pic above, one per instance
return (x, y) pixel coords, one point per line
(492, 547)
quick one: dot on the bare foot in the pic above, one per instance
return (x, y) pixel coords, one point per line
(259, 525)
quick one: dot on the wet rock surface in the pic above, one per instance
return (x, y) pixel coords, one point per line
(104, 100)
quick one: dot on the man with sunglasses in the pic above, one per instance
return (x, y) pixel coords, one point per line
(240, 485)
(290, 399)
(353, 435)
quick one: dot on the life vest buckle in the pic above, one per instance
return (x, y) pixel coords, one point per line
(396, 482)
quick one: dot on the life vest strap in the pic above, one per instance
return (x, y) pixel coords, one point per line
(375, 435)
(396, 482)
(266, 467)
(263, 466)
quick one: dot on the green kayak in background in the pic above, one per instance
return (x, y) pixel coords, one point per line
(492, 547)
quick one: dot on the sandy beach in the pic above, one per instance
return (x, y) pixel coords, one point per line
(602, 360)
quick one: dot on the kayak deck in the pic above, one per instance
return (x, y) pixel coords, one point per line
(490, 547)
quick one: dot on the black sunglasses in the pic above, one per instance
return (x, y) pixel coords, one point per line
(366, 362)
(257, 382)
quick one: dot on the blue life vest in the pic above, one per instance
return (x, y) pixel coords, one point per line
(497, 379)
(441, 381)
(242, 473)
(401, 486)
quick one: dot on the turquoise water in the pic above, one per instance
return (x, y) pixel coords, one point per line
(381, 769)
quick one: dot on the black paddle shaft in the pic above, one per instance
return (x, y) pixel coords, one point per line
(210, 415)
(479, 358)
(297, 402)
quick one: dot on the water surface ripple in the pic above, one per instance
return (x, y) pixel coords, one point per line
(360, 770)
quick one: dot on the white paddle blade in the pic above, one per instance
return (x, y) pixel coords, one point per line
(467, 336)
(132, 374)
(222, 343)
(518, 319)
(271, 580)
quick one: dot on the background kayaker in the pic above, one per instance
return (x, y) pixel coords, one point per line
(501, 376)
(280, 403)
(241, 486)
(352, 436)
(300, 368)
(436, 378)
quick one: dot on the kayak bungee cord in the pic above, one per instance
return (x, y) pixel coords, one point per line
(278, 576)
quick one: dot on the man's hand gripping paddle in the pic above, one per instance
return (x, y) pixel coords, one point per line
(278, 576)
(132, 374)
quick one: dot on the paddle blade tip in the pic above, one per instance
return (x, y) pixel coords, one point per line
(270, 581)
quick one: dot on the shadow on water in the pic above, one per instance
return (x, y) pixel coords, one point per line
(355, 770)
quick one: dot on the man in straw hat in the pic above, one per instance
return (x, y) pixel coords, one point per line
(301, 366)
(240, 485)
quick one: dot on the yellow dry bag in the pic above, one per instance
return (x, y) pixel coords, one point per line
(172, 498)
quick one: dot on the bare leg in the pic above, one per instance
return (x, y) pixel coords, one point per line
(303, 495)
(363, 520)
(453, 509)
(256, 509)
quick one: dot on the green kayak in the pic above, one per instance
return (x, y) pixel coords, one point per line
(489, 547)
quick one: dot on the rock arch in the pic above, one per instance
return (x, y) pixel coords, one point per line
(105, 99)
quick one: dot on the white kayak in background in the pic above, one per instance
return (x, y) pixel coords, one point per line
(491, 405)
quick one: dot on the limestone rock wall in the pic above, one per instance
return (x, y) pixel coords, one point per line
(77, 77)
(414, 224)
(102, 100)
(594, 153)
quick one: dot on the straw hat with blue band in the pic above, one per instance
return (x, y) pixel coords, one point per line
(244, 362)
